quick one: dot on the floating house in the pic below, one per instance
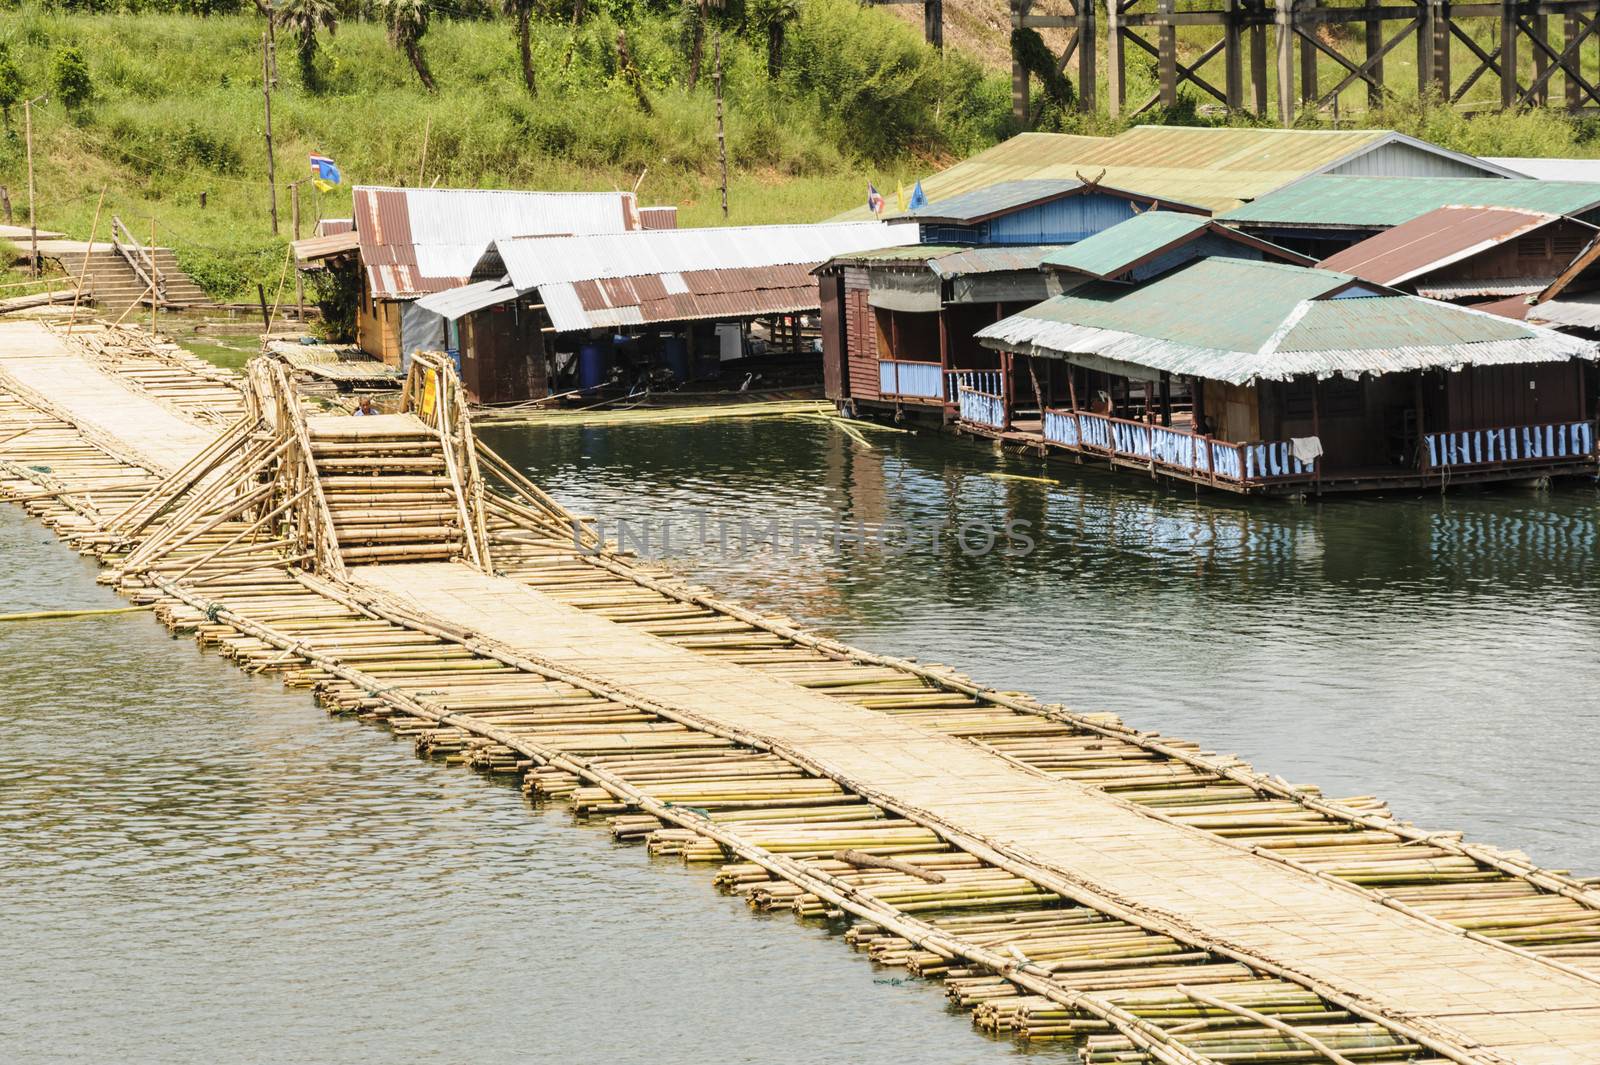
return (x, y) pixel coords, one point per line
(555, 308)
(1470, 254)
(407, 243)
(1324, 214)
(1263, 377)
(897, 322)
(1216, 168)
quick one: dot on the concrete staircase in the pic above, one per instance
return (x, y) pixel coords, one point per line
(115, 286)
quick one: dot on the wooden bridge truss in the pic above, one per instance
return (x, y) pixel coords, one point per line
(1272, 59)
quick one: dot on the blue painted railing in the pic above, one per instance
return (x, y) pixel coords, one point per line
(980, 396)
(911, 380)
(1509, 445)
(1173, 448)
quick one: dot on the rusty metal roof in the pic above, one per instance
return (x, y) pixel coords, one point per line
(416, 241)
(1435, 240)
(326, 227)
(620, 279)
(663, 217)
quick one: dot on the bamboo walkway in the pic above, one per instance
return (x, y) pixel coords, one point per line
(1066, 876)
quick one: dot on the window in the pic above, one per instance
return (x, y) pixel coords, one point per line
(1532, 247)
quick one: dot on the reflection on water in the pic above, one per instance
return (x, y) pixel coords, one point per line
(1443, 652)
(199, 866)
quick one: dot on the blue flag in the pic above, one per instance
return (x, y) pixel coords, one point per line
(324, 169)
(917, 198)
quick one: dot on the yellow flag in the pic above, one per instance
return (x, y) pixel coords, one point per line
(430, 393)
(900, 195)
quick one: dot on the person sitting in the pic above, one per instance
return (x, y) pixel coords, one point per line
(1101, 404)
(364, 408)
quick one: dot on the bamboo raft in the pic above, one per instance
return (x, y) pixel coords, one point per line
(247, 545)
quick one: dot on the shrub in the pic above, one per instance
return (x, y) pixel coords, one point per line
(69, 76)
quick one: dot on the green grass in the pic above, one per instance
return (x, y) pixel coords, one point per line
(178, 112)
(176, 115)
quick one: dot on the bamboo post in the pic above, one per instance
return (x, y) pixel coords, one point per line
(83, 272)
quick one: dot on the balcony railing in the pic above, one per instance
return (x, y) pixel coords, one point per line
(1510, 445)
(980, 396)
(1175, 449)
(898, 378)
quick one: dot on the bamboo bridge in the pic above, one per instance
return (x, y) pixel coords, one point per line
(1064, 874)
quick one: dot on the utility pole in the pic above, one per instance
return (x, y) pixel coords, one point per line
(33, 224)
(266, 93)
(722, 139)
(299, 278)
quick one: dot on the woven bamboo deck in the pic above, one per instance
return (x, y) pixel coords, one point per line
(1467, 993)
(1065, 875)
(39, 364)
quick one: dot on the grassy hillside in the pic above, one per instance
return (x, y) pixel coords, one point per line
(172, 110)
(176, 111)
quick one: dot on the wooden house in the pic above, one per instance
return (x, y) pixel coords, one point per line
(1257, 376)
(1323, 214)
(898, 321)
(1470, 255)
(409, 243)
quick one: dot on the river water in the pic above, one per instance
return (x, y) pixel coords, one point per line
(197, 865)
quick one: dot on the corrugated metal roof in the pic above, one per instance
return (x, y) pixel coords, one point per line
(1580, 312)
(1284, 328)
(531, 263)
(416, 241)
(1551, 169)
(457, 302)
(1435, 240)
(680, 274)
(1214, 167)
(979, 204)
(1340, 201)
(1466, 288)
(328, 226)
(955, 260)
(1112, 251)
(660, 217)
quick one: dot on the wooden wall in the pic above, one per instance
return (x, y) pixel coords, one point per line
(861, 337)
(502, 355)
(835, 378)
(1487, 397)
(378, 327)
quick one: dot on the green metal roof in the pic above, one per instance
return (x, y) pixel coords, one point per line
(1382, 202)
(955, 260)
(1238, 320)
(1203, 304)
(1393, 322)
(1111, 251)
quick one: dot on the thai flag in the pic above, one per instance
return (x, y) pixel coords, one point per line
(875, 202)
(324, 169)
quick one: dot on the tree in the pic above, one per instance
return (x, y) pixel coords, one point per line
(523, 10)
(69, 76)
(10, 83)
(408, 21)
(304, 18)
(774, 17)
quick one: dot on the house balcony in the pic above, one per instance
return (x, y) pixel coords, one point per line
(919, 382)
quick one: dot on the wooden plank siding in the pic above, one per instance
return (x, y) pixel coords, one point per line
(861, 336)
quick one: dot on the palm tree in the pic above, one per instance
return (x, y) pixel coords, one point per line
(408, 21)
(774, 16)
(523, 9)
(304, 18)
